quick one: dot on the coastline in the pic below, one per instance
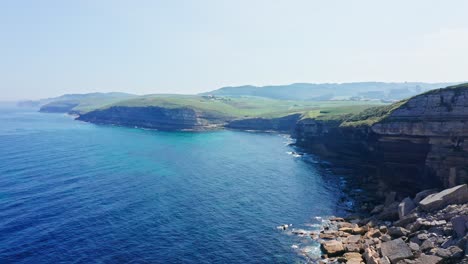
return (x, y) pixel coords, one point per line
(430, 228)
(359, 237)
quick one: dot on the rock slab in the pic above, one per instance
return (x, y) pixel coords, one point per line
(455, 195)
(396, 250)
(333, 248)
(405, 207)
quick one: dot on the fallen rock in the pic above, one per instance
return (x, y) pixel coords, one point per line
(337, 219)
(374, 233)
(328, 235)
(407, 219)
(427, 259)
(371, 256)
(353, 256)
(386, 238)
(299, 232)
(455, 252)
(390, 212)
(426, 245)
(405, 207)
(413, 246)
(332, 248)
(455, 195)
(353, 239)
(353, 247)
(346, 225)
(397, 231)
(459, 224)
(383, 229)
(384, 260)
(396, 250)
(423, 194)
(452, 252)
(359, 230)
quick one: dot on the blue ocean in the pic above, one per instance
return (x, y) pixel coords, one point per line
(74, 192)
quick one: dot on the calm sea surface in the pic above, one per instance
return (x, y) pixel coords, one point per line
(73, 192)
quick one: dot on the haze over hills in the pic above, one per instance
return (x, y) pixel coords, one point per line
(328, 91)
(67, 102)
(230, 100)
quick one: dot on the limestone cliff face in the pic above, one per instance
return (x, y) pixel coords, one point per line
(418, 145)
(153, 117)
(438, 119)
(281, 124)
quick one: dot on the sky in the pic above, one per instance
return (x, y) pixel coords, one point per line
(48, 48)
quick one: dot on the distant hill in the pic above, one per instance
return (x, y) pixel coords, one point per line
(78, 103)
(332, 91)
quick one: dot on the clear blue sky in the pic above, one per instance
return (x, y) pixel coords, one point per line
(48, 48)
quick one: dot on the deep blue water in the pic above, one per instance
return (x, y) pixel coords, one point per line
(81, 193)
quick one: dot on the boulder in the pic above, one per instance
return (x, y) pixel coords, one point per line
(371, 256)
(353, 247)
(407, 219)
(452, 252)
(390, 212)
(396, 250)
(405, 207)
(332, 248)
(397, 231)
(459, 224)
(374, 233)
(353, 257)
(413, 246)
(426, 245)
(455, 195)
(384, 260)
(353, 239)
(337, 219)
(386, 238)
(359, 230)
(427, 259)
(423, 194)
(383, 229)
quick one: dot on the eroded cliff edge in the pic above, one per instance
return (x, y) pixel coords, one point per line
(412, 145)
(154, 117)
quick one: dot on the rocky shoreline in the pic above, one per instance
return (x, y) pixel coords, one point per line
(429, 228)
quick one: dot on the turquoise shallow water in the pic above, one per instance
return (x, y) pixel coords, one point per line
(81, 193)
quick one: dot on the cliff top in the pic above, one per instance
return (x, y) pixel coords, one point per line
(242, 107)
(431, 103)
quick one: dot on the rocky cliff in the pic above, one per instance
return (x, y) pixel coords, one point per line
(60, 107)
(154, 117)
(280, 124)
(416, 144)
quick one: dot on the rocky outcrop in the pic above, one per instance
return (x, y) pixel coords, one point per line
(154, 118)
(281, 124)
(434, 236)
(417, 145)
(184, 119)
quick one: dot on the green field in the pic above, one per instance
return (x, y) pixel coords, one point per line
(248, 107)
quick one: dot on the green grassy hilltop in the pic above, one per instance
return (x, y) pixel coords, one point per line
(246, 107)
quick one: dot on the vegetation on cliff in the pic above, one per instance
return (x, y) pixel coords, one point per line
(81, 103)
(362, 116)
(327, 91)
(241, 107)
